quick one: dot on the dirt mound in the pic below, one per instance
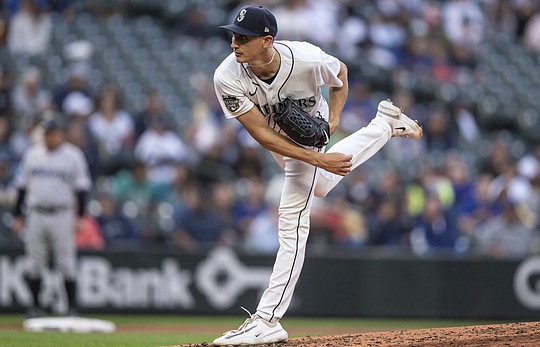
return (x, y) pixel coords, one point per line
(513, 334)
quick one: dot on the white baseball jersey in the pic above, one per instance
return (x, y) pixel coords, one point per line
(51, 178)
(304, 69)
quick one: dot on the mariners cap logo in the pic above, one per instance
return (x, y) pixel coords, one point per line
(253, 21)
(241, 15)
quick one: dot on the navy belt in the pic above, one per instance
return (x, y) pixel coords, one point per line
(49, 209)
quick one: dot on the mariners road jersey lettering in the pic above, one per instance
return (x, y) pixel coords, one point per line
(50, 173)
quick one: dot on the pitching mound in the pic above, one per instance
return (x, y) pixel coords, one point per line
(514, 334)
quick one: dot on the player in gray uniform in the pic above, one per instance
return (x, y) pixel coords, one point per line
(251, 85)
(52, 182)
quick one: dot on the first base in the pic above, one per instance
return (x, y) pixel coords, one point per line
(69, 324)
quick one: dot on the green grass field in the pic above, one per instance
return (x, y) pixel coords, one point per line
(153, 331)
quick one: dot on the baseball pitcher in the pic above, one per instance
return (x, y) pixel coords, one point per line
(273, 88)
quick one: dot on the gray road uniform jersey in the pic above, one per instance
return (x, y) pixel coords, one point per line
(305, 69)
(51, 180)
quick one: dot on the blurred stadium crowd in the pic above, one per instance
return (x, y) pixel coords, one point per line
(134, 80)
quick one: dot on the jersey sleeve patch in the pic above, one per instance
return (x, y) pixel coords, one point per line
(231, 102)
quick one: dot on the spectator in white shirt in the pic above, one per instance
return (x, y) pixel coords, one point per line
(29, 98)
(161, 149)
(114, 130)
(29, 30)
(463, 22)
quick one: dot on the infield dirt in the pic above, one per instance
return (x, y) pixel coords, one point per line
(523, 334)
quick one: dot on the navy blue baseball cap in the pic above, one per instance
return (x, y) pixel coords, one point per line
(52, 124)
(253, 21)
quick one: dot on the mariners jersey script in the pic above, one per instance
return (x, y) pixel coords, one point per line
(304, 69)
(51, 177)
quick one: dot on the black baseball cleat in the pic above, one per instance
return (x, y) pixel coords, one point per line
(72, 312)
(402, 125)
(35, 312)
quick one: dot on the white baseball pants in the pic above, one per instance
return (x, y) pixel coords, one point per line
(302, 182)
